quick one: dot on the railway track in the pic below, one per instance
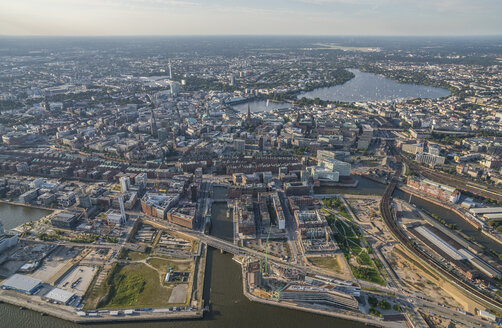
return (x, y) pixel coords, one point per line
(457, 182)
(385, 210)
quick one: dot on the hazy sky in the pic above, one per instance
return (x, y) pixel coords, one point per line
(200, 17)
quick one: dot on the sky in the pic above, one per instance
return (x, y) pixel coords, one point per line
(250, 17)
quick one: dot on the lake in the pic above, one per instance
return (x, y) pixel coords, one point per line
(372, 87)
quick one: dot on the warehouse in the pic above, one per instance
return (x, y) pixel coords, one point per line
(493, 216)
(440, 243)
(22, 283)
(59, 296)
(485, 210)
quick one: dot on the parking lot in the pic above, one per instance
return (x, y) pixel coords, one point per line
(78, 279)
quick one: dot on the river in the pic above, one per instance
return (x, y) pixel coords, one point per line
(371, 87)
(15, 215)
(222, 290)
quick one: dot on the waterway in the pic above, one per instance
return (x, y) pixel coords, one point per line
(222, 290)
(15, 215)
(260, 106)
(451, 217)
(371, 87)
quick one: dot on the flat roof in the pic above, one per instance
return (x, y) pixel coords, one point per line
(59, 295)
(484, 210)
(21, 282)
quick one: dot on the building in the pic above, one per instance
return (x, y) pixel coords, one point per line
(59, 296)
(114, 217)
(66, 219)
(335, 165)
(244, 215)
(413, 148)
(183, 215)
(141, 179)
(323, 175)
(84, 201)
(157, 205)
(29, 196)
(279, 213)
(125, 184)
(322, 295)
(430, 159)
(22, 284)
(440, 243)
(435, 189)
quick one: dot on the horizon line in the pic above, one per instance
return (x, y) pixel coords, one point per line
(248, 35)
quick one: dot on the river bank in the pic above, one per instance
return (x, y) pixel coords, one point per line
(451, 208)
(245, 289)
(67, 313)
(27, 205)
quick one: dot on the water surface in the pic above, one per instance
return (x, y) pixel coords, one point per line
(372, 87)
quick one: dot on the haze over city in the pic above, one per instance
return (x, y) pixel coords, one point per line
(258, 17)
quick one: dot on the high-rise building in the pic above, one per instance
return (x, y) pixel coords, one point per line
(153, 125)
(125, 184)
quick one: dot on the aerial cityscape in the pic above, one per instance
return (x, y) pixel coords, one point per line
(250, 180)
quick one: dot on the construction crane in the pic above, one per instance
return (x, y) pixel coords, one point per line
(266, 250)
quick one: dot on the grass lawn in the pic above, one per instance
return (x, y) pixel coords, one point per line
(134, 256)
(94, 294)
(349, 238)
(163, 265)
(136, 285)
(326, 262)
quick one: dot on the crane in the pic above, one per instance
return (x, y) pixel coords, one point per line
(266, 250)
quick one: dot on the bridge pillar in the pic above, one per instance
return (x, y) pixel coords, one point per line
(222, 251)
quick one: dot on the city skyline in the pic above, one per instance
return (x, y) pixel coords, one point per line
(299, 17)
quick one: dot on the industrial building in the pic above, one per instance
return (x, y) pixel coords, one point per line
(440, 243)
(59, 296)
(22, 284)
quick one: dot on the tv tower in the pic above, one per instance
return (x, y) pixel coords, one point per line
(170, 72)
